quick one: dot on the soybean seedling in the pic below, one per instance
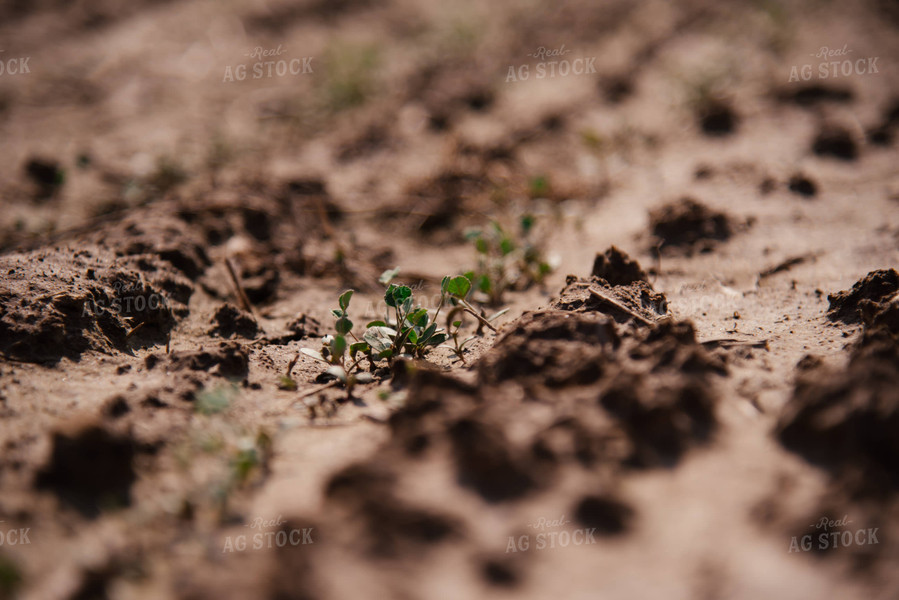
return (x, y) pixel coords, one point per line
(506, 261)
(454, 326)
(412, 330)
(340, 354)
(456, 289)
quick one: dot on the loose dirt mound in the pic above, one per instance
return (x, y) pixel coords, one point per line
(874, 287)
(690, 226)
(63, 302)
(90, 470)
(617, 268)
(846, 419)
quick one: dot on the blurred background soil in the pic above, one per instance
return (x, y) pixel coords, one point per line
(710, 369)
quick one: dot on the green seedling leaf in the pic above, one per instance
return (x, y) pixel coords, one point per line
(388, 275)
(214, 401)
(411, 336)
(377, 324)
(418, 317)
(343, 326)
(338, 345)
(407, 305)
(506, 246)
(388, 296)
(344, 299)
(481, 245)
(313, 354)
(286, 383)
(362, 347)
(527, 223)
(427, 333)
(437, 339)
(539, 186)
(444, 284)
(457, 324)
(379, 338)
(401, 293)
(484, 284)
(337, 312)
(459, 286)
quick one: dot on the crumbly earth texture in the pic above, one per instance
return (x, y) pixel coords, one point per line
(699, 400)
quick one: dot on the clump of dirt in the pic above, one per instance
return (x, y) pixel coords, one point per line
(883, 134)
(617, 88)
(803, 186)
(608, 515)
(875, 286)
(441, 198)
(555, 347)
(813, 94)
(717, 118)
(661, 422)
(637, 301)
(835, 142)
(390, 525)
(690, 226)
(300, 328)
(63, 302)
(617, 268)
(228, 359)
(845, 419)
(46, 174)
(229, 321)
(488, 463)
(90, 470)
(162, 236)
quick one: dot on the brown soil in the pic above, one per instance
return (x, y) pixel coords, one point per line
(711, 367)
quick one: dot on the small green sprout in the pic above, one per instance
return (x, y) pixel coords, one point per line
(539, 186)
(412, 331)
(506, 261)
(454, 327)
(249, 455)
(406, 330)
(10, 578)
(216, 400)
(340, 354)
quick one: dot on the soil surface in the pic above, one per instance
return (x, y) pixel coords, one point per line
(693, 391)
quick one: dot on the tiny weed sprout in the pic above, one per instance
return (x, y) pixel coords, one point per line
(216, 400)
(249, 454)
(340, 354)
(454, 327)
(539, 187)
(506, 261)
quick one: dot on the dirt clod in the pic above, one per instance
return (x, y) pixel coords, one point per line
(690, 225)
(617, 268)
(875, 286)
(229, 321)
(803, 186)
(90, 470)
(835, 142)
